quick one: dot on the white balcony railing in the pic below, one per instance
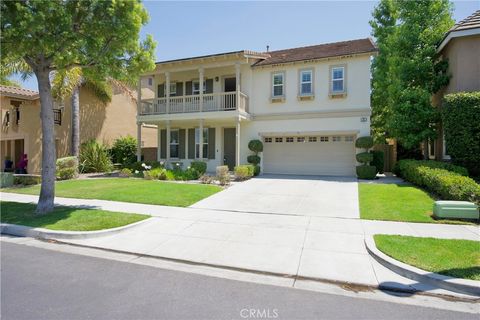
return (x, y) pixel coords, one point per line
(221, 101)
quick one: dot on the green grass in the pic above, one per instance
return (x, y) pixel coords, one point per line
(397, 202)
(129, 190)
(65, 218)
(455, 258)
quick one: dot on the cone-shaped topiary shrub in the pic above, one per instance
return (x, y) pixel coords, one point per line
(255, 146)
(365, 171)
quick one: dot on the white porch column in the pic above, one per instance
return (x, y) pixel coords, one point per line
(139, 125)
(200, 84)
(168, 140)
(237, 143)
(167, 90)
(237, 84)
(159, 142)
(139, 141)
(200, 129)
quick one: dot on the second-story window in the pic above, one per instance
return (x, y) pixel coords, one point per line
(196, 87)
(174, 136)
(306, 82)
(338, 77)
(278, 83)
(173, 89)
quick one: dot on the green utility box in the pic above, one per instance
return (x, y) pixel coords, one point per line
(455, 210)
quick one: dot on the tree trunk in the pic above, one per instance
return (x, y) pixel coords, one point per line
(75, 121)
(47, 191)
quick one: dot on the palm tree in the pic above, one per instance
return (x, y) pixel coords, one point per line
(68, 83)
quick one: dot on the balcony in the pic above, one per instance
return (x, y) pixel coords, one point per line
(210, 102)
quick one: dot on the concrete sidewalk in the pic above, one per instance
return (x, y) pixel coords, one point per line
(331, 249)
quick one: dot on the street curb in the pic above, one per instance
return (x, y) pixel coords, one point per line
(351, 286)
(42, 233)
(470, 287)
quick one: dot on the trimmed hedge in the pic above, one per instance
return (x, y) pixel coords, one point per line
(366, 172)
(450, 182)
(378, 160)
(461, 125)
(255, 146)
(199, 166)
(364, 142)
(253, 159)
(364, 157)
(124, 150)
(6, 179)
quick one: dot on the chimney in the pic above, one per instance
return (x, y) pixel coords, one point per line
(268, 48)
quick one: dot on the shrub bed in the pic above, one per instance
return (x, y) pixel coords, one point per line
(450, 182)
(199, 166)
(94, 157)
(27, 179)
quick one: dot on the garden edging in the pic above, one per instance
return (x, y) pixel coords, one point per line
(42, 233)
(465, 286)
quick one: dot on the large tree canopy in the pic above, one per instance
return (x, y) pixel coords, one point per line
(59, 35)
(407, 70)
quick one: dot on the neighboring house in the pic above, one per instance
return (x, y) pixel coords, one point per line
(461, 46)
(307, 105)
(21, 125)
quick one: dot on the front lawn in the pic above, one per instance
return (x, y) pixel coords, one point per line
(397, 202)
(129, 190)
(65, 218)
(455, 258)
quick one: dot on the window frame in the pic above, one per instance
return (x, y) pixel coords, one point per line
(173, 93)
(203, 144)
(268, 140)
(289, 139)
(273, 85)
(198, 82)
(301, 82)
(177, 144)
(343, 79)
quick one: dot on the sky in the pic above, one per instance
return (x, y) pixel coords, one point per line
(187, 29)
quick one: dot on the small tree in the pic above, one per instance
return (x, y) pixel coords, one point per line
(365, 171)
(256, 146)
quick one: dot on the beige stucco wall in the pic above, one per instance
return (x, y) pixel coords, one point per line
(463, 54)
(98, 121)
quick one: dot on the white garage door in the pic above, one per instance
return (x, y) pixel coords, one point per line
(309, 155)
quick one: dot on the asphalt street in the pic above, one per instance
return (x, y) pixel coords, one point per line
(45, 284)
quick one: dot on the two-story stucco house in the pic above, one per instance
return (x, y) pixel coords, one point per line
(306, 104)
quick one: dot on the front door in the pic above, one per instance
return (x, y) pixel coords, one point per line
(229, 147)
(229, 85)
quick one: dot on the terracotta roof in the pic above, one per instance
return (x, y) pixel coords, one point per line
(20, 93)
(469, 22)
(319, 51)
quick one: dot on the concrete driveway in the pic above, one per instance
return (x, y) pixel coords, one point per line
(290, 195)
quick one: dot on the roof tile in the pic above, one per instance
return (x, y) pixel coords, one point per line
(319, 51)
(17, 92)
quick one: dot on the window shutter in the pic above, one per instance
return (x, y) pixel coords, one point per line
(179, 89)
(209, 86)
(181, 142)
(188, 88)
(211, 143)
(161, 90)
(191, 143)
(163, 143)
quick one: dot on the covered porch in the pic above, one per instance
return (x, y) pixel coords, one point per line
(213, 140)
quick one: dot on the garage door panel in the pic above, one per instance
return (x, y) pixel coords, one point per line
(317, 158)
